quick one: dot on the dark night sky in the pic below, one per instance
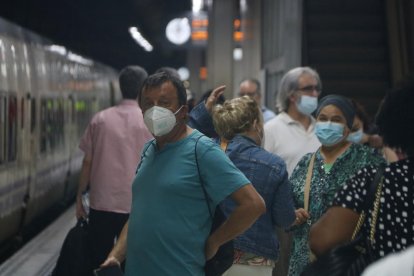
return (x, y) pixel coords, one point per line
(98, 29)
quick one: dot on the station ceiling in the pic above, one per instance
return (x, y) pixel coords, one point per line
(98, 29)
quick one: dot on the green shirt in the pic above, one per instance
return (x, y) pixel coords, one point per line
(169, 221)
(324, 184)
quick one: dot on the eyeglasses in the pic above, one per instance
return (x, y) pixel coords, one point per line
(310, 89)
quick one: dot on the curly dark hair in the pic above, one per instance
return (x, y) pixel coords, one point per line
(396, 116)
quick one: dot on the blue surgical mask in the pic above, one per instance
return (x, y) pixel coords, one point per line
(355, 137)
(329, 133)
(307, 104)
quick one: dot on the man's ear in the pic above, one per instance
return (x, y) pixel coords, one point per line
(184, 111)
(293, 98)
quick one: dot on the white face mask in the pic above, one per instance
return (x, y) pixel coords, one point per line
(160, 120)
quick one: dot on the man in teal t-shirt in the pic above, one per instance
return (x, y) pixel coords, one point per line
(168, 232)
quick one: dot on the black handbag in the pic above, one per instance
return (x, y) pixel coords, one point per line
(73, 258)
(223, 259)
(353, 257)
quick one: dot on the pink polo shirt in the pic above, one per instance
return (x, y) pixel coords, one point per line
(114, 138)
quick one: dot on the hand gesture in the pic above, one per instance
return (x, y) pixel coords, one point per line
(80, 211)
(301, 216)
(212, 99)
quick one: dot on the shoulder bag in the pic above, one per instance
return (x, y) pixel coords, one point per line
(223, 259)
(73, 257)
(352, 258)
(306, 197)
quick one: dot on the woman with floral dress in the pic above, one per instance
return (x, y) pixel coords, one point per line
(394, 229)
(335, 161)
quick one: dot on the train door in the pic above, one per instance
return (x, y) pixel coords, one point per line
(3, 127)
(8, 128)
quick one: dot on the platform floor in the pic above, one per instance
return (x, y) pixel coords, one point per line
(38, 257)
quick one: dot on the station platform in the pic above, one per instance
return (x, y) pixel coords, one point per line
(38, 257)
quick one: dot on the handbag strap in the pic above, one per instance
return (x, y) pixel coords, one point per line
(201, 179)
(143, 155)
(308, 182)
(373, 198)
(375, 212)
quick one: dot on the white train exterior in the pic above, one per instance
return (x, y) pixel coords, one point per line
(47, 96)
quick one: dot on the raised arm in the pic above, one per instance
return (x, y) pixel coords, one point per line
(200, 115)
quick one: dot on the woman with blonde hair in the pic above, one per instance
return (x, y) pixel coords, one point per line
(239, 124)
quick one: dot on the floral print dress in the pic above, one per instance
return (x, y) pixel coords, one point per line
(326, 180)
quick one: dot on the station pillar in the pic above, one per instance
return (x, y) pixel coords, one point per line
(220, 45)
(194, 63)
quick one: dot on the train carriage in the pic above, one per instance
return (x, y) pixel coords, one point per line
(47, 96)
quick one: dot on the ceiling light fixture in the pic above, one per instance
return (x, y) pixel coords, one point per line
(197, 6)
(136, 35)
(178, 30)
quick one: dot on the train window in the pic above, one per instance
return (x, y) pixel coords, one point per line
(22, 113)
(12, 129)
(44, 124)
(81, 113)
(3, 128)
(69, 110)
(32, 115)
(60, 121)
(52, 124)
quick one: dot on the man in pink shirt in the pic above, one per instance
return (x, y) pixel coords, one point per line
(112, 144)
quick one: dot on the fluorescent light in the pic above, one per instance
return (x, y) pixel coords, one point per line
(57, 49)
(136, 35)
(79, 59)
(237, 53)
(197, 6)
(184, 73)
(243, 5)
(178, 30)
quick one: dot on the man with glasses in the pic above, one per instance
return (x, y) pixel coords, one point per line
(291, 133)
(251, 87)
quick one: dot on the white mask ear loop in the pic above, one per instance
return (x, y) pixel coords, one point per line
(175, 113)
(178, 110)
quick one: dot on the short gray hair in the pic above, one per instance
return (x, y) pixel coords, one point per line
(289, 84)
